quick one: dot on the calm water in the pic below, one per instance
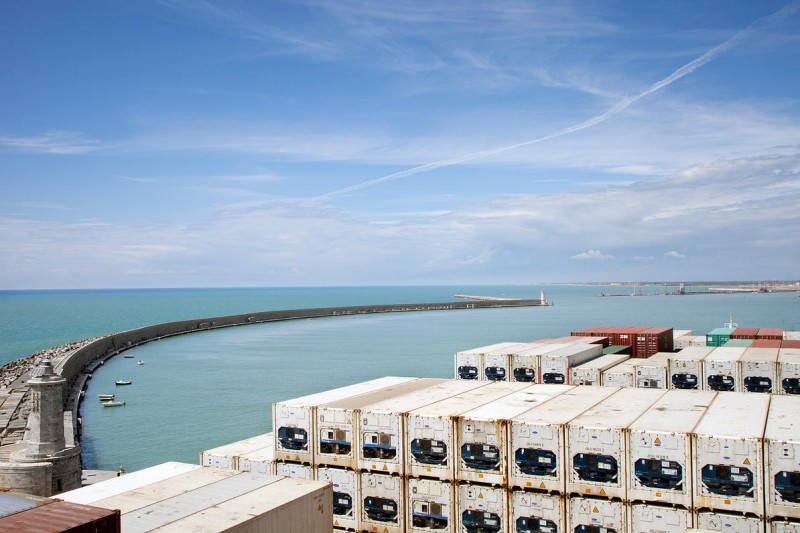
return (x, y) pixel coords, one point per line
(202, 390)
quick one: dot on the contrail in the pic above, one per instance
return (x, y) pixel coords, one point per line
(686, 69)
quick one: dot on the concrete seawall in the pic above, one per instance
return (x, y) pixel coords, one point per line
(77, 362)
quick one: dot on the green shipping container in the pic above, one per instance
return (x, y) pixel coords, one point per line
(719, 336)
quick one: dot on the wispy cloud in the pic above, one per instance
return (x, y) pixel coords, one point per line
(592, 255)
(674, 255)
(54, 142)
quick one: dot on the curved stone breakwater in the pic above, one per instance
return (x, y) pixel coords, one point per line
(76, 361)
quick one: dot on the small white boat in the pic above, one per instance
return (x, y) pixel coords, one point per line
(113, 404)
(105, 397)
(139, 362)
(123, 382)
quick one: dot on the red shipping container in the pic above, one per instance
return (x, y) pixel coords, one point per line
(766, 343)
(770, 333)
(61, 517)
(744, 333)
(790, 344)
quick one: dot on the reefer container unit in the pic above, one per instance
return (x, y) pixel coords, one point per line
(59, 516)
(346, 495)
(260, 461)
(686, 368)
(382, 503)
(721, 370)
(482, 434)
(789, 371)
(689, 340)
(294, 470)
(758, 368)
(555, 367)
(468, 363)
(225, 456)
(382, 426)
(537, 512)
(431, 433)
(597, 449)
(622, 375)
(728, 522)
(719, 336)
(728, 455)
(525, 364)
(782, 457)
(648, 518)
(431, 506)
(537, 439)
(784, 526)
(590, 372)
(482, 509)
(651, 373)
(654, 340)
(293, 420)
(660, 444)
(336, 441)
(594, 515)
(496, 363)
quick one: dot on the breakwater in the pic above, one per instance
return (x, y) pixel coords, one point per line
(77, 361)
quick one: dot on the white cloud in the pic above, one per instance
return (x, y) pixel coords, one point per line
(675, 255)
(53, 142)
(592, 254)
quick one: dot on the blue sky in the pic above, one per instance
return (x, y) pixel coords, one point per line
(186, 143)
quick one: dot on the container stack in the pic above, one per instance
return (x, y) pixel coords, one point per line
(652, 372)
(643, 341)
(721, 370)
(591, 372)
(758, 369)
(788, 379)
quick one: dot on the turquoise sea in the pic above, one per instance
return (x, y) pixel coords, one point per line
(202, 390)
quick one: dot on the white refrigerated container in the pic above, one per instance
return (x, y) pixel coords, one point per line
(596, 515)
(482, 433)
(782, 457)
(346, 495)
(721, 369)
(555, 367)
(622, 375)
(381, 426)
(590, 372)
(261, 461)
(293, 421)
(537, 439)
(431, 439)
(226, 456)
(651, 518)
(728, 522)
(651, 372)
(728, 454)
(382, 503)
(294, 470)
(525, 364)
(496, 363)
(660, 448)
(758, 369)
(469, 363)
(685, 368)
(788, 371)
(537, 511)
(431, 506)
(597, 449)
(784, 526)
(335, 441)
(482, 508)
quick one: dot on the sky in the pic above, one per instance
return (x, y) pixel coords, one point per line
(193, 143)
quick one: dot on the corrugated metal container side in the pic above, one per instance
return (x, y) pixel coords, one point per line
(767, 343)
(15, 502)
(770, 334)
(660, 448)
(431, 506)
(728, 522)
(381, 427)
(554, 367)
(595, 514)
(789, 371)
(130, 481)
(646, 518)
(719, 336)
(651, 373)
(535, 511)
(654, 340)
(335, 442)
(686, 368)
(288, 506)
(689, 340)
(294, 470)
(597, 446)
(225, 456)
(782, 457)
(293, 420)
(482, 434)
(346, 495)
(482, 508)
(758, 369)
(431, 429)
(496, 364)
(525, 364)
(677, 333)
(744, 333)
(590, 372)
(721, 370)
(784, 526)
(621, 375)
(791, 335)
(382, 503)
(260, 461)
(790, 343)
(537, 439)
(729, 465)
(63, 516)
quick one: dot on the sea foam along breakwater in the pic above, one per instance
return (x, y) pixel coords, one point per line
(77, 361)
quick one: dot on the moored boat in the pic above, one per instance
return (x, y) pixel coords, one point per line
(139, 362)
(113, 404)
(123, 382)
(105, 397)
(128, 356)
